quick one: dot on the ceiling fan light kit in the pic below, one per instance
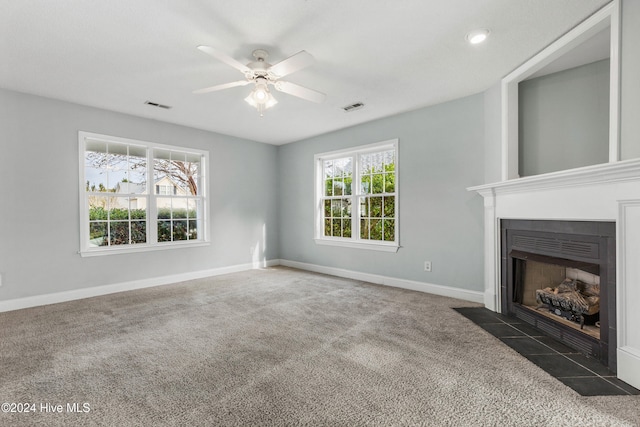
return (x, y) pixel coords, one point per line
(263, 74)
(260, 97)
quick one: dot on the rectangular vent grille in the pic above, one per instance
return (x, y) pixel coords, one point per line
(155, 104)
(526, 317)
(558, 247)
(551, 330)
(578, 344)
(353, 107)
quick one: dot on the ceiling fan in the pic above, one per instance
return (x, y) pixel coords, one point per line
(263, 74)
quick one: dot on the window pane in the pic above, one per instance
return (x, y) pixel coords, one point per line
(98, 234)
(118, 214)
(364, 206)
(194, 208)
(336, 208)
(139, 213)
(390, 206)
(346, 228)
(193, 229)
(180, 230)
(328, 187)
(336, 228)
(390, 183)
(136, 181)
(348, 180)
(365, 184)
(191, 176)
(377, 183)
(364, 228)
(95, 166)
(98, 207)
(178, 170)
(164, 231)
(178, 210)
(327, 227)
(390, 161)
(338, 176)
(375, 204)
(338, 187)
(375, 229)
(327, 168)
(119, 233)
(138, 231)
(389, 230)
(117, 166)
(164, 207)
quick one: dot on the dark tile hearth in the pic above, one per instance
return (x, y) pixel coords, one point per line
(586, 376)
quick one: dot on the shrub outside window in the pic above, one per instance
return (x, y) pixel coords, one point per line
(356, 197)
(137, 196)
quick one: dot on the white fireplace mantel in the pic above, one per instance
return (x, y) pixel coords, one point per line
(606, 192)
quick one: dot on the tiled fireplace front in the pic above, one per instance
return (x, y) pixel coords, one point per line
(559, 276)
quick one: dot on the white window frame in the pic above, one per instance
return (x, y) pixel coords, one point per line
(355, 241)
(152, 221)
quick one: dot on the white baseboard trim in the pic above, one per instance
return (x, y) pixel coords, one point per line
(430, 288)
(76, 294)
(39, 300)
(628, 366)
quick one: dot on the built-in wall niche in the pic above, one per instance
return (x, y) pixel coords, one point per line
(560, 108)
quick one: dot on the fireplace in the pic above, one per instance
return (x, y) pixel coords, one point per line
(559, 276)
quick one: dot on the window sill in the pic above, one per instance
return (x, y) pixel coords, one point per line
(90, 252)
(372, 246)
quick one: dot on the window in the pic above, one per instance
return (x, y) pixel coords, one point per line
(139, 196)
(356, 197)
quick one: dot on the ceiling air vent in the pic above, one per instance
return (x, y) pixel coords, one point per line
(353, 107)
(155, 104)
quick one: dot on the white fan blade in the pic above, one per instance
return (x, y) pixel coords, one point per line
(293, 63)
(300, 91)
(222, 86)
(224, 58)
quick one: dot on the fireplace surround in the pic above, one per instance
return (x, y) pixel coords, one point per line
(600, 193)
(546, 252)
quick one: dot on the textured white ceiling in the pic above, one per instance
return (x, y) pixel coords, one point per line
(394, 56)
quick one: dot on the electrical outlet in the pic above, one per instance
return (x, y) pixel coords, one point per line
(427, 266)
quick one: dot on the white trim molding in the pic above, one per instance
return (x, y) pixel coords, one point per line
(606, 173)
(76, 294)
(607, 17)
(628, 294)
(445, 291)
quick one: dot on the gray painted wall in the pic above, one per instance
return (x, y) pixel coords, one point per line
(564, 120)
(440, 154)
(443, 150)
(39, 233)
(493, 134)
(630, 81)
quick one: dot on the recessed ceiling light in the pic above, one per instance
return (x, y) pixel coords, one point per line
(477, 36)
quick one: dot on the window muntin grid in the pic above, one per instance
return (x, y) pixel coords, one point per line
(122, 186)
(358, 195)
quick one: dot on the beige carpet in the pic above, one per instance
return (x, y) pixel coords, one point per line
(277, 347)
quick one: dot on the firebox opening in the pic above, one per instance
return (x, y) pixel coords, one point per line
(551, 270)
(562, 290)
